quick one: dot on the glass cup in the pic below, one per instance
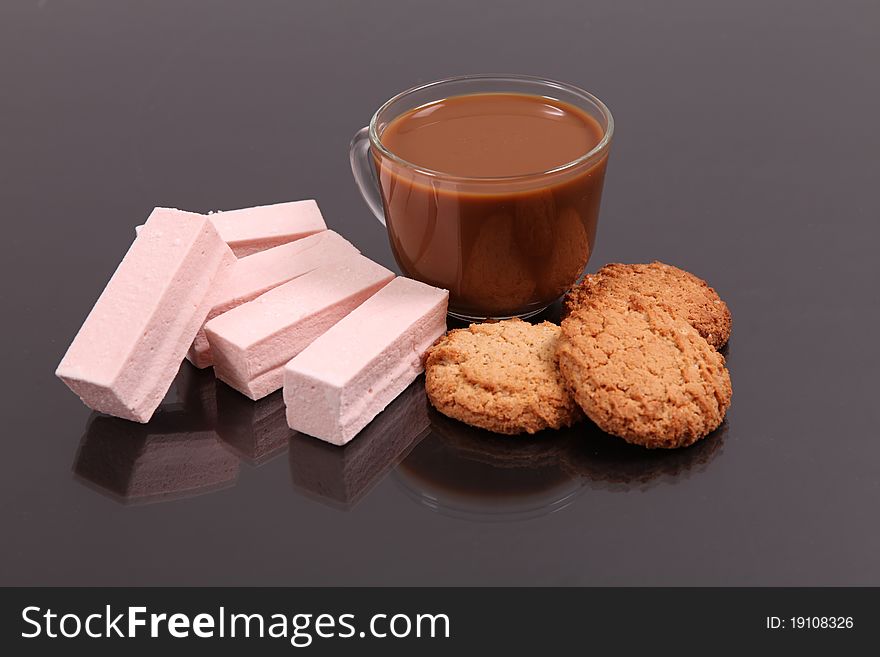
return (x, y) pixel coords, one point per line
(504, 246)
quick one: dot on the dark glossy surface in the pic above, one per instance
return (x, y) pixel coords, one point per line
(746, 151)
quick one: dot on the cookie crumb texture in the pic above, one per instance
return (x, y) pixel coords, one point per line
(501, 376)
(642, 374)
(678, 292)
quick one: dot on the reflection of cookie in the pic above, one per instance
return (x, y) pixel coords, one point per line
(571, 251)
(496, 275)
(475, 444)
(678, 292)
(501, 377)
(608, 463)
(642, 374)
(534, 223)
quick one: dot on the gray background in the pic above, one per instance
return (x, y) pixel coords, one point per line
(747, 150)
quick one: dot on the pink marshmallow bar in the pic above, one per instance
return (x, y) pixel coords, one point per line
(250, 230)
(340, 382)
(252, 343)
(258, 273)
(129, 349)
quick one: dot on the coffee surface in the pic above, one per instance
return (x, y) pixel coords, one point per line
(492, 135)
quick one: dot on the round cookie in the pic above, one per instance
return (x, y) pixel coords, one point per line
(501, 377)
(678, 292)
(642, 374)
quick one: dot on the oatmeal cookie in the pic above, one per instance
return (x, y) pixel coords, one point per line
(678, 292)
(643, 374)
(501, 377)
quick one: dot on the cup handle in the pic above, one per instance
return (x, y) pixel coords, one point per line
(364, 173)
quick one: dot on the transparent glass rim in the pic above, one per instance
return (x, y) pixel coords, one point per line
(593, 154)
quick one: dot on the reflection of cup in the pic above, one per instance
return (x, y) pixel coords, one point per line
(173, 456)
(473, 474)
(342, 476)
(255, 430)
(503, 245)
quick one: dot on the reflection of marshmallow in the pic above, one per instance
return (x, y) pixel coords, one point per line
(174, 456)
(341, 477)
(197, 391)
(256, 431)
